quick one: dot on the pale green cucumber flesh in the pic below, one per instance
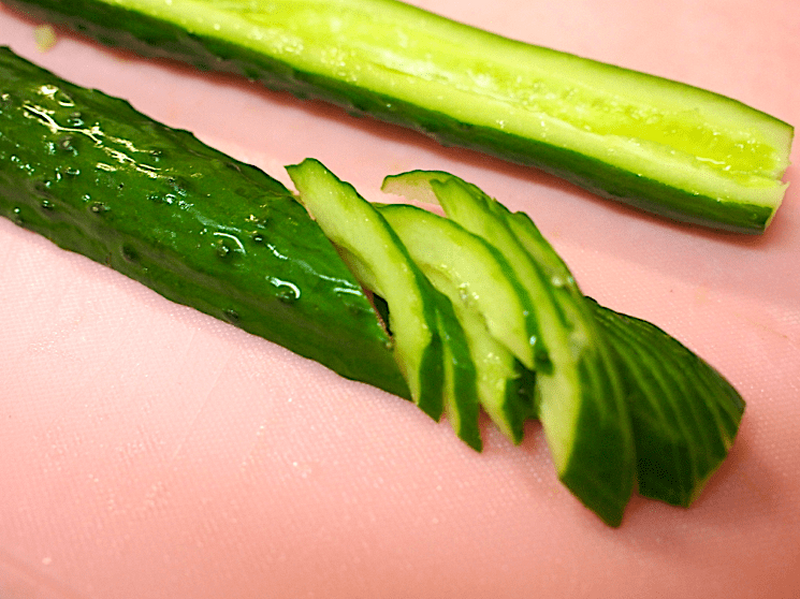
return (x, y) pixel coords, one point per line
(381, 263)
(504, 385)
(659, 145)
(484, 278)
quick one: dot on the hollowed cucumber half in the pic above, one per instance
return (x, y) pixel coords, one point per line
(662, 146)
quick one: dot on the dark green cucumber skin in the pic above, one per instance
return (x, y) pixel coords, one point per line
(676, 453)
(118, 26)
(195, 225)
(464, 383)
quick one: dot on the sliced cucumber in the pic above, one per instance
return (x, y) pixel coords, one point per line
(685, 415)
(460, 391)
(581, 400)
(381, 263)
(219, 235)
(483, 278)
(462, 267)
(659, 145)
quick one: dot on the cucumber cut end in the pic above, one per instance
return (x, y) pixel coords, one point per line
(381, 263)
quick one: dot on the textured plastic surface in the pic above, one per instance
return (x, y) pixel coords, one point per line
(152, 452)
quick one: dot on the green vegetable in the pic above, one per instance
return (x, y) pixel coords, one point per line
(684, 414)
(580, 398)
(681, 414)
(99, 178)
(621, 402)
(655, 144)
(380, 261)
(460, 391)
(478, 274)
(483, 290)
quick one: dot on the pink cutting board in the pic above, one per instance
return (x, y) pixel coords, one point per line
(150, 452)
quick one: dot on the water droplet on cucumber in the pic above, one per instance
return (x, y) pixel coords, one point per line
(98, 208)
(285, 291)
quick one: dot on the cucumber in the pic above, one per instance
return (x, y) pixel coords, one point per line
(481, 276)
(483, 290)
(380, 261)
(658, 145)
(96, 177)
(685, 415)
(460, 385)
(580, 398)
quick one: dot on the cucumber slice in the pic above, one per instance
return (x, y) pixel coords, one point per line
(456, 261)
(581, 400)
(460, 391)
(381, 263)
(672, 149)
(685, 415)
(483, 277)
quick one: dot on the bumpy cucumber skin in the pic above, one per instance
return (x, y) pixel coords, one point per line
(118, 26)
(97, 177)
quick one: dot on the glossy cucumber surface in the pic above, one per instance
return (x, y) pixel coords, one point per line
(656, 144)
(97, 177)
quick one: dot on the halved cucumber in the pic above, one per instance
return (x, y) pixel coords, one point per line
(659, 145)
(381, 263)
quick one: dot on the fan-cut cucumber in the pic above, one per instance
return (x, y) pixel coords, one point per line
(483, 278)
(685, 415)
(581, 400)
(656, 144)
